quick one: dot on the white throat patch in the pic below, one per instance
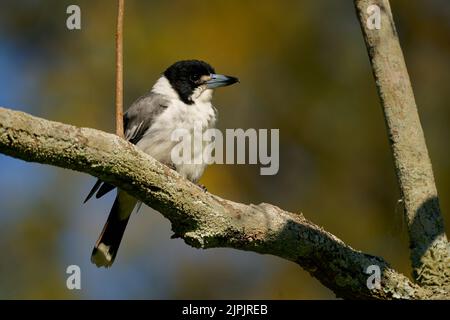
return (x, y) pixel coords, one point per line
(202, 95)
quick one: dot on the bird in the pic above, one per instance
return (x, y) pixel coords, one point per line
(180, 99)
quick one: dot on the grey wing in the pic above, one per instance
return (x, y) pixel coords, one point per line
(136, 121)
(141, 115)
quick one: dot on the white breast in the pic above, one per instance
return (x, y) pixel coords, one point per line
(178, 115)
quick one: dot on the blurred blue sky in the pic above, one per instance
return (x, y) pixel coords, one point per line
(19, 87)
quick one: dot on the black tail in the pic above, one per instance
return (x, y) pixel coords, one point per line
(102, 188)
(108, 243)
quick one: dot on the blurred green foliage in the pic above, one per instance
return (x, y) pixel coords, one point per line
(303, 68)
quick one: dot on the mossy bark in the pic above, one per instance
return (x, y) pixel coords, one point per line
(203, 220)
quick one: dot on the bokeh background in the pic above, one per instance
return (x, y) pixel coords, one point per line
(303, 68)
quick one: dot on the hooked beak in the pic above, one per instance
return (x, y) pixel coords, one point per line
(218, 80)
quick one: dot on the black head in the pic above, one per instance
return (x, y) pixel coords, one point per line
(188, 75)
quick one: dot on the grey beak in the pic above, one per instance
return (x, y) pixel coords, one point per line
(218, 80)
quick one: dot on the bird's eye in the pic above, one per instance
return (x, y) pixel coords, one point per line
(195, 77)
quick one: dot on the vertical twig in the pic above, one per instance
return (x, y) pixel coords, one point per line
(430, 250)
(119, 69)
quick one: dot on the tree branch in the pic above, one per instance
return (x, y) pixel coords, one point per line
(430, 250)
(203, 220)
(119, 68)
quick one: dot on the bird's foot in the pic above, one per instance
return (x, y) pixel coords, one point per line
(201, 186)
(170, 165)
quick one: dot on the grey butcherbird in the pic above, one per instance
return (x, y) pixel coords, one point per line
(180, 99)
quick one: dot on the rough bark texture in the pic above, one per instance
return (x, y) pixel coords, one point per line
(202, 219)
(430, 250)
